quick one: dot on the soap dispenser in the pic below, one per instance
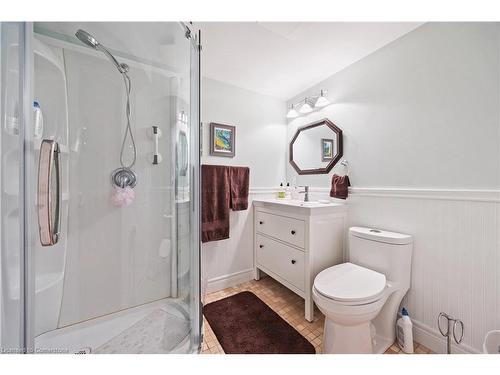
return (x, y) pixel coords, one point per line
(288, 191)
(281, 192)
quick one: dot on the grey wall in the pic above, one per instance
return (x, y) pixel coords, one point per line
(260, 130)
(420, 112)
(261, 145)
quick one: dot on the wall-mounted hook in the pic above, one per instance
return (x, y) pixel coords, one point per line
(345, 163)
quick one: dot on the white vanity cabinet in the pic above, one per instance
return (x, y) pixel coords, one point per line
(294, 241)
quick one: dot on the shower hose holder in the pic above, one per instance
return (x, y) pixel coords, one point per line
(124, 177)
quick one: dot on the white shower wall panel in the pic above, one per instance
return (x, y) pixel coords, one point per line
(114, 260)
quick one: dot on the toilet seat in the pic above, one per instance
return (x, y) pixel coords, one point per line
(350, 284)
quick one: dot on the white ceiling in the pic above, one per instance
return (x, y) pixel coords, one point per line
(282, 59)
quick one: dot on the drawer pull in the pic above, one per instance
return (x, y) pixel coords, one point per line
(261, 222)
(292, 232)
(294, 261)
(261, 246)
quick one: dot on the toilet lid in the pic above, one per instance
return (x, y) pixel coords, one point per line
(348, 282)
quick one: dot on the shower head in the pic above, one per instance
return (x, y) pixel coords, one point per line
(92, 42)
(86, 38)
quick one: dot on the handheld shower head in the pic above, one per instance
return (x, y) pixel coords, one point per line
(86, 38)
(124, 176)
(92, 42)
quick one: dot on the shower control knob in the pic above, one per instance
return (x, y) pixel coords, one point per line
(261, 222)
(261, 246)
(294, 261)
(292, 232)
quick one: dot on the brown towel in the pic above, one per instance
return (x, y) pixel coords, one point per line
(340, 186)
(239, 179)
(215, 201)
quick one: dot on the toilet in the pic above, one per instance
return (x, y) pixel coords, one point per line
(360, 298)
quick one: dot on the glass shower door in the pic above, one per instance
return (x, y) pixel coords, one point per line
(111, 264)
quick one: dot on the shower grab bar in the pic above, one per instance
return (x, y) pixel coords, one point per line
(49, 200)
(155, 134)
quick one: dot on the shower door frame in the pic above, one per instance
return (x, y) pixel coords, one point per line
(24, 118)
(27, 184)
(27, 190)
(195, 208)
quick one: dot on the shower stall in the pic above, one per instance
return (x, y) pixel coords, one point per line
(99, 203)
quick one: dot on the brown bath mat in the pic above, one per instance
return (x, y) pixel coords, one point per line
(244, 324)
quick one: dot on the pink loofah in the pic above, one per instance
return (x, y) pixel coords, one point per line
(122, 197)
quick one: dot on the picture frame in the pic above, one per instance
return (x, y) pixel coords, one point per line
(326, 149)
(222, 140)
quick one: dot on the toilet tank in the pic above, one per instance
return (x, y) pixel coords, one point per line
(382, 251)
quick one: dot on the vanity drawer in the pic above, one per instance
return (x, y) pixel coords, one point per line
(281, 227)
(283, 260)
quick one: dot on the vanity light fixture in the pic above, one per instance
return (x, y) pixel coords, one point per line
(322, 101)
(308, 105)
(292, 113)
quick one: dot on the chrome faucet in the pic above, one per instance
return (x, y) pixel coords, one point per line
(306, 191)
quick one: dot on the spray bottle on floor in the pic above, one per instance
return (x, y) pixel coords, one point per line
(404, 332)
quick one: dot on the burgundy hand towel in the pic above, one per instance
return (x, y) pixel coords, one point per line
(215, 202)
(340, 186)
(240, 181)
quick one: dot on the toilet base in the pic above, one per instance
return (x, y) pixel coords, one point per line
(343, 339)
(381, 344)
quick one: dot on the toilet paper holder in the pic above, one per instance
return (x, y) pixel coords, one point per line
(451, 329)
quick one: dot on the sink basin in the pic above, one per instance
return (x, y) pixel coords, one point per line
(311, 205)
(297, 203)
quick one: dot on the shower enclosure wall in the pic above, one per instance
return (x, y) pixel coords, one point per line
(119, 278)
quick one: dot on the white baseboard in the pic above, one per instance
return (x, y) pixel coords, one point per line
(433, 340)
(227, 281)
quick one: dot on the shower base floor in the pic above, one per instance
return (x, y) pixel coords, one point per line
(158, 327)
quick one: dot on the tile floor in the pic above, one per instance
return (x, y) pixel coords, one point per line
(288, 305)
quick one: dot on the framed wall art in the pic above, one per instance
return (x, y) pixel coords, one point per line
(222, 140)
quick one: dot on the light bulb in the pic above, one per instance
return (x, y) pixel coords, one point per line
(306, 108)
(292, 113)
(321, 101)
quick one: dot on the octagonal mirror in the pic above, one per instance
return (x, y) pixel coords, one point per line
(316, 148)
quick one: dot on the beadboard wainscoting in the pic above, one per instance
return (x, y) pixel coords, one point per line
(456, 254)
(229, 262)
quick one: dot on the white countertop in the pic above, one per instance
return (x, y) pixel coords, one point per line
(301, 205)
